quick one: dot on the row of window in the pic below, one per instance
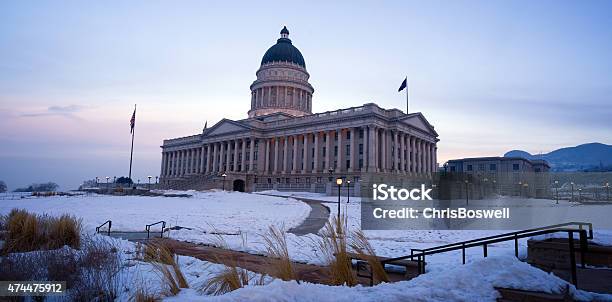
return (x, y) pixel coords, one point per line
(298, 180)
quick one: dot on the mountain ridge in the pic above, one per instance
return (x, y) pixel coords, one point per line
(577, 158)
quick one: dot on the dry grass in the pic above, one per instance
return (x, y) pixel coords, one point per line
(275, 241)
(28, 232)
(164, 261)
(229, 279)
(142, 295)
(333, 245)
(360, 244)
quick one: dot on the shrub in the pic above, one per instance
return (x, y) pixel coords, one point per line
(333, 245)
(361, 245)
(275, 242)
(28, 232)
(163, 258)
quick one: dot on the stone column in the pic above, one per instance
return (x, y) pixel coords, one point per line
(410, 154)
(396, 152)
(285, 154)
(294, 169)
(235, 168)
(370, 149)
(316, 153)
(243, 161)
(420, 155)
(306, 161)
(228, 156)
(427, 157)
(266, 156)
(328, 139)
(276, 142)
(435, 155)
(163, 159)
(383, 151)
(252, 154)
(214, 158)
(354, 156)
(340, 158)
(208, 164)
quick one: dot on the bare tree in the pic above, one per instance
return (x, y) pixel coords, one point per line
(2, 186)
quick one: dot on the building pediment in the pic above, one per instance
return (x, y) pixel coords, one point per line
(225, 126)
(418, 121)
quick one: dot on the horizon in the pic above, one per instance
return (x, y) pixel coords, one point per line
(505, 76)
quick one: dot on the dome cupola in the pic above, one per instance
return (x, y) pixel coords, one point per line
(282, 81)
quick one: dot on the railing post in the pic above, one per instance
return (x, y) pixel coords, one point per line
(484, 250)
(584, 244)
(110, 223)
(463, 252)
(516, 245)
(570, 235)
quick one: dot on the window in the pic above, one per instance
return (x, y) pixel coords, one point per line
(323, 153)
(348, 135)
(278, 180)
(492, 167)
(481, 167)
(360, 163)
(269, 180)
(515, 167)
(469, 167)
(452, 168)
(335, 150)
(318, 180)
(361, 133)
(360, 148)
(297, 180)
(287, 180)
(348, 163)
(348, 150)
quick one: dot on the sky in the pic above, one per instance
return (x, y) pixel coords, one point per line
(491, 76)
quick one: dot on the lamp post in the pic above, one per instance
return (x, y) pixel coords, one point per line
(348, 191)
(557, 190)
(224, 176)
(97, 180)
(526, 186)
(579, 194)
(520, 186)
(114, 179)
(339, 183)
(433, 189)
(572, 183)
(156, 179)
(107, 178)
(149, 177)
(607, 191)
(467, 194)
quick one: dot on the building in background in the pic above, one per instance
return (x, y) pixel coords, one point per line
(513, 176)
(282, 145)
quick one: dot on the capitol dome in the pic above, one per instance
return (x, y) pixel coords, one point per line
(283, 51)
(282, 81)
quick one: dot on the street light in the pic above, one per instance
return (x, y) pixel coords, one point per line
(557, 190)
(526, 186)
(107, 181)
(572, 183)
(339, 183)
(149, 177)
(579, 194)
(97, 180)
(224, 176)
(348, 191)
(156, 179)
(607, 186)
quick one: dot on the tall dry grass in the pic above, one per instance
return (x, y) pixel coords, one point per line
(28, 232)
(275, 241)
(334, 247)
(361, 245)
(163, 259)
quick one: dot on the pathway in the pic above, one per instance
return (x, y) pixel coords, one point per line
(316, 220)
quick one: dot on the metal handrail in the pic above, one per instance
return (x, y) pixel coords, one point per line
(148, 228)
(484, 241)
(110, 223)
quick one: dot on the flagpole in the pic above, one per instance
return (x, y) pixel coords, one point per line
(406, 94)
(132, 149)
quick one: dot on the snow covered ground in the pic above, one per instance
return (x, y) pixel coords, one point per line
(241, 219)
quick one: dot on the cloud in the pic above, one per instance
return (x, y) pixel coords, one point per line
(68, 111)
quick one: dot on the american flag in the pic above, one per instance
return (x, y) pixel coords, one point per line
(133, 121)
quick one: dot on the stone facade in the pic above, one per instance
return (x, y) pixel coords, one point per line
(282, 145)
